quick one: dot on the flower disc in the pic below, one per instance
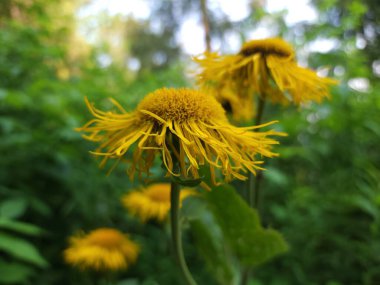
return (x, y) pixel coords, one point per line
(273, 46)
(180, 105)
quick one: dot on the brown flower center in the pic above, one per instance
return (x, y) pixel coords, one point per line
(159, 192)
(274, 46)
(180, 105)
(107, 238)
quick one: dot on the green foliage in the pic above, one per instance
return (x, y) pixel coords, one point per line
(21, 249)
(20, 227)
(322, 193)
(18, 59)
(328, 201)
(241, 226)
(15, 247)
(13, 208)
(210, 246)
(14, 273)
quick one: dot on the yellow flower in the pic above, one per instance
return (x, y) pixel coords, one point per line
(238, 103)
(264, 67)
(184, 126)
(103, 249)
(152, 202)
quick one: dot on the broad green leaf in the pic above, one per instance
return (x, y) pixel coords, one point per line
(21, 249)
(13, 208)
(212, 253)
(257, 247)
(231, 211)
(241, 226)
(11, 273)
(193, 208)
(23, 228)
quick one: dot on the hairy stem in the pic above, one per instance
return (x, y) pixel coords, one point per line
(176, 233)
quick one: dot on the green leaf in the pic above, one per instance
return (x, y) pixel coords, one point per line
(21, 249)
(23, 228)
(227, 204)
(11, 273)
(366, 205)
(193, 208)
(260, 246)
(13, 208)
(213, 254)
(240, 224)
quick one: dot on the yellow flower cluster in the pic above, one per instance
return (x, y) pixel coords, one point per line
(266, 68)
(187, 128)
(153, 202)
(104, 249)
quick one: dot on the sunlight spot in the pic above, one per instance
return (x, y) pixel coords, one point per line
(104, 60)
(360, 84)
(133, 64)
(323, 71)
(296, 10)
(323, 45)
(191, 36)
(339, 70)
(376, 67)
(361, 43)
(235, 10)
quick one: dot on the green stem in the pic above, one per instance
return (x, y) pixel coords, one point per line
(254, 184)
(259, 176)
(250, 190)
(260, 110)
(256, 189)
(245, 276)
(176, 233)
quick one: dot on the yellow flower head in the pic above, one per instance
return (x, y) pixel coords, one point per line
(103, 249)
(184, 126)
(152, 202)
(264, 67)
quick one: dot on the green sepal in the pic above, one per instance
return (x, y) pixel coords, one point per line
(187, 182)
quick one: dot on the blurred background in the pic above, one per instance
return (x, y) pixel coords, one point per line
(323, 193)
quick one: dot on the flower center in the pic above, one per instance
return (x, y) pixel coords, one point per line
(107, 238)
(180, 105)
(159, 192)
(275, 46)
